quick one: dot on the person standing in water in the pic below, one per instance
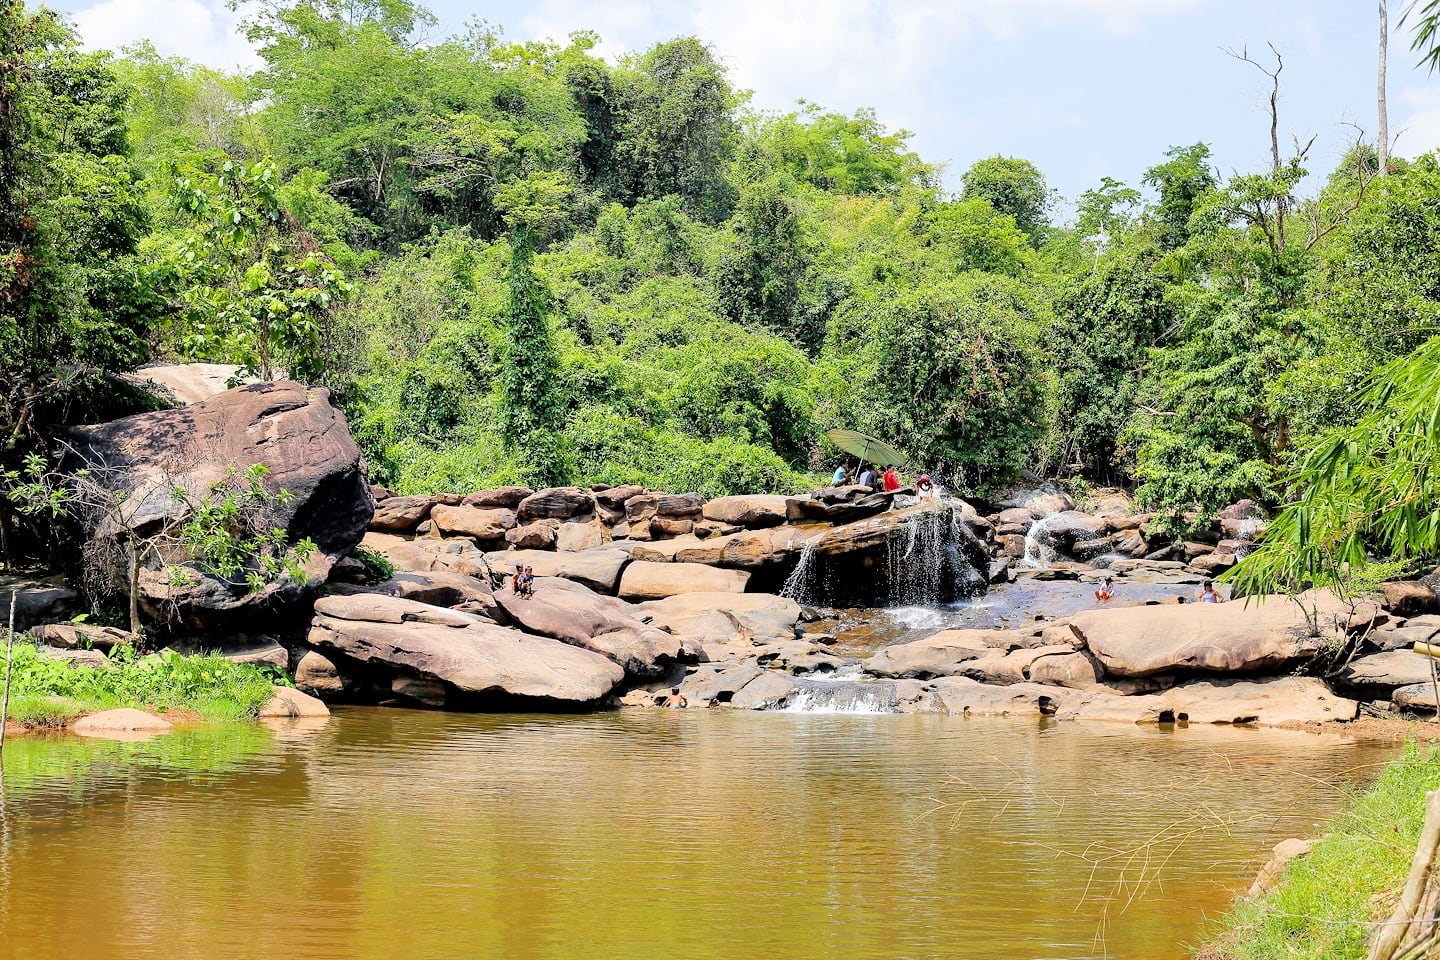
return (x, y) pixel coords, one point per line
(1106, 591)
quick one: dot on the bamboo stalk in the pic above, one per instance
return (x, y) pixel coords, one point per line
(1391, 936)
(1427, 649)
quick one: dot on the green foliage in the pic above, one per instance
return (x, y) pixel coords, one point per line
(1014, 187)
(212, 686)
(1181, 181)
(226, 536)
(74, 303)
(247, 292)
(377, 566)
(530, 401)
(1325, 904)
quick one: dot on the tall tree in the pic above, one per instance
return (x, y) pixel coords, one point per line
(1013, 186)
(531, 401)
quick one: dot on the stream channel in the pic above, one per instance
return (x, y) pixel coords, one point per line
(640, 833)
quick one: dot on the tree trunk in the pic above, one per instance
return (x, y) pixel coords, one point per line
(1382, 139)
(134, 588)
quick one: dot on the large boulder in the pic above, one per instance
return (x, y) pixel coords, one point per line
(644, 580)
(599, 623)
(292, 430)
(752, 510)
(478, 523)
(1221, 638)
(400, 514)
(80, 636)
(37, 599)
(1378, 675)
(556, 503)
(476, 660)
(424, 556)
(1408, 598)
(507, 498)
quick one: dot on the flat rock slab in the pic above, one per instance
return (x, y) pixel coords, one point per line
(470, 655)
(599, 623)
(644, 580)
(948, 653)
(719, 617)
(1380, 673)
(1221, 638)
(125, 720)
(1263, 703)
(597, 569)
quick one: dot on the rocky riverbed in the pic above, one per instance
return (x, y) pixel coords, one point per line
(838, 599)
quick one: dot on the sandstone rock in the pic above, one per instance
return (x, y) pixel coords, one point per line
(962, 695)
(1415, 696)
(558, 503)
(1214, 564)
(652, 581)
(317, 673)
(1041, 500)
(1000, 666)
(288, 703)
(37, 600)
(602, 624)
(1266, 703)
(712, 618)
(422, 690)
(469, 655)
(260, 651)
(538, 535)
(575, 536)
(1376, 676)
(941, 655)
(1067, 669)
(597, 569)
(717, 683)
(440, 588)
(616, 497)
(476, 522)
(1409, 598)
(401, 513)
(1282, 853)
(121, 721)
(79, 658)
(680, 505)
(76, 636)
(187, 383)
(670, 527)
(1225, 637)
(1017, 517)
(1404, 634)
(640, 509)
(768, 691)
(293, 431)
(750, 511)
(812, 510)
(507, 498)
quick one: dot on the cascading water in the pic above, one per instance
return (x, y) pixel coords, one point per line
(800, 585)
(1039, 546)
(843, 697)
(918, 563)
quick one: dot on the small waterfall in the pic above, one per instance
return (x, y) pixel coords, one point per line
(844, 697)
(800, 585)
(924, 566)
(1039, 548)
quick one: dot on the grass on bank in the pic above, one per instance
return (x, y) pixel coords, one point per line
(50, 693)
(1326, 901)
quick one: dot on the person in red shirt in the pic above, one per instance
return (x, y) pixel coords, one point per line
(892, 480)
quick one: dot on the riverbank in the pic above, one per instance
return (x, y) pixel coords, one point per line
(94, 691)
(1328, 900)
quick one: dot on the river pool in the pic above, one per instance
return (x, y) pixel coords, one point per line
(639, 834)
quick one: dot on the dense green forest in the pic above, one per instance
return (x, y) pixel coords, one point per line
(522, 263)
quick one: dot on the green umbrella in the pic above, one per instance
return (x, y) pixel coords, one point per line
(868, 449)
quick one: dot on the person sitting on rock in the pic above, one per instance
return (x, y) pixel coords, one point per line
(869, 478)
(1106, 591)
(674, 700)
(1209, 595)
(527, 582)
(515, 579)
(842, 475)
(892, 480)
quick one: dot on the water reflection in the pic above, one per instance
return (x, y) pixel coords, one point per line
(648, 834)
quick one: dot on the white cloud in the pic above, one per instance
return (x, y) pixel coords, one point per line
(1419, 126)
(199, 30)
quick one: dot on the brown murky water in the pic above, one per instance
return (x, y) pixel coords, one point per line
(395, 834)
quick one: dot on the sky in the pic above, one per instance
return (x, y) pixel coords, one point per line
(1082, 88)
